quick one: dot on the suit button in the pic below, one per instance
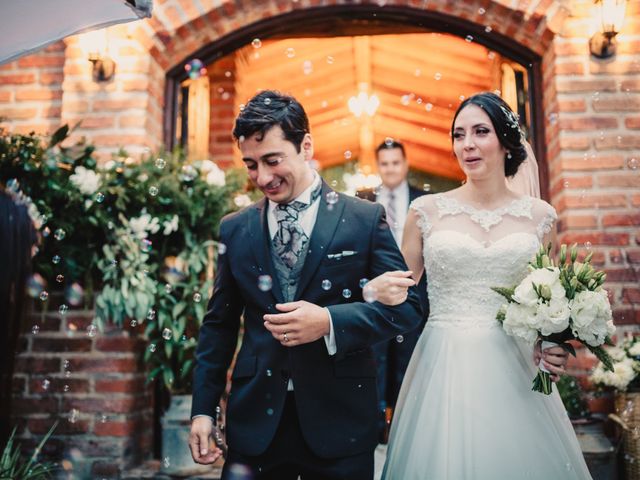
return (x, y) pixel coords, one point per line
(292, 282)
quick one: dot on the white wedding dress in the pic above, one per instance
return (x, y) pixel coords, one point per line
(466, 409)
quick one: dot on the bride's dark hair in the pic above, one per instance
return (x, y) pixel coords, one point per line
(505, 123)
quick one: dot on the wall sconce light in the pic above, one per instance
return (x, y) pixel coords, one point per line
(103, 67)
(610, 14)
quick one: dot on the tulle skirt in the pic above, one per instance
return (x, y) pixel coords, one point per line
(466, 411)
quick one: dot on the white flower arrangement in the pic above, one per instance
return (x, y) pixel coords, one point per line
(557, 304)
(626, 367)
(85, 180)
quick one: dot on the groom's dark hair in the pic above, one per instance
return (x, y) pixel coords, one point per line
(505, 123)
(268, 109)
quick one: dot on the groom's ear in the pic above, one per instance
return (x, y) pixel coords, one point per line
(307, 147)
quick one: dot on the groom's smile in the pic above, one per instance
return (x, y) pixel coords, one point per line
(275, 166)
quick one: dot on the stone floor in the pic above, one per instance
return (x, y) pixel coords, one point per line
(153, 470)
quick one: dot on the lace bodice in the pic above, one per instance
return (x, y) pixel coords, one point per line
(467, 251)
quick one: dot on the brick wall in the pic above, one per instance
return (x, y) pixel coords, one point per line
(31, 91)
(93, 383)
(591, 134)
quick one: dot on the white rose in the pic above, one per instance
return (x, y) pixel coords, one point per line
(216, 176)
(617, 353)
(85, 180)
(553, 317)
(170, 225)
(206, 166)
(242, 200)
(622, 375)
(524, 293)
(635, 349)
(143, 225)
(591, 318)
(520, 321)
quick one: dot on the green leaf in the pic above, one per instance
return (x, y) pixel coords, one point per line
(505, 292)
(59, 135)
(602, 355)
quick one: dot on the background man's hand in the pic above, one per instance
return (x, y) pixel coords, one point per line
(200, 441)
(301, 322)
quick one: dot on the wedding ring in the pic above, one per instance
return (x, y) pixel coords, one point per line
(284, 337)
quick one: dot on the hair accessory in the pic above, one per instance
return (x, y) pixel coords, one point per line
(511, 119)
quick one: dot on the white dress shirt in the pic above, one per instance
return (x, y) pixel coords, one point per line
(401, 194)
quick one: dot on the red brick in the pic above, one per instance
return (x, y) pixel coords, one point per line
(595, 162)
(578, 222)
(41, 365)
(575, 143)
(104, 365)
(26, 406)
(569, 68)
(633, 256)
(599, 238)
(18, 113)
(621, 275)
(119, 344)
(38, 95)
(617, 142)
(572, 105)
(54, 345)
(576, 86)
(18, 386)
(40, 426)
(588, 123)
(617, 67)
(112, 428)
(41, 61)
(131, 385)
(57, 385)
(630, 85)
(107, 404)
(617, 104)
(119, 140)
(623, 317)
(115, 105)
(631, 295)
(51, 78)
(620, 220)
(104, 469)
(592, 201)
(17, 78)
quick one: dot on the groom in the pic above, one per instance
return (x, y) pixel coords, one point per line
(303, 395)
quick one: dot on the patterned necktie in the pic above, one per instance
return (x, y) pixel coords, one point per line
(391, 212)
(290, 239)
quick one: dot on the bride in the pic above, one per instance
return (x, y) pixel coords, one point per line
(466, 409)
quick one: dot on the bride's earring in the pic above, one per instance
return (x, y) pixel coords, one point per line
(509, 155)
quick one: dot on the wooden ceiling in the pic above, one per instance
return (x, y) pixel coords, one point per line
(419, 78)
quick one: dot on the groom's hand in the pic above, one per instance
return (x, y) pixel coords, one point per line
(200, 439)
(301, 322)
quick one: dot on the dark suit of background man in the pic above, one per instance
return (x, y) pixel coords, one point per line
(303, 394)
(395, 194)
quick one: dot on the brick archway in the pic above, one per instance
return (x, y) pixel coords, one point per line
(524, 33)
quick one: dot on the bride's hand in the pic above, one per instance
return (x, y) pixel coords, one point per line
(554, 359)
(390, 288)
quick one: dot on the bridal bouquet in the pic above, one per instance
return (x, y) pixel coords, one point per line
(558, 303)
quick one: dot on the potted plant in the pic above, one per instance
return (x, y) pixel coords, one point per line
(624, 381)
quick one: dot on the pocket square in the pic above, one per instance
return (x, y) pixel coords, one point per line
(344, 253)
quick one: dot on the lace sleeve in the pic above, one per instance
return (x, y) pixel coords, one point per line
(546, 224)
(419, 206)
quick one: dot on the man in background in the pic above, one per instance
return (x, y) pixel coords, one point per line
(395, 194)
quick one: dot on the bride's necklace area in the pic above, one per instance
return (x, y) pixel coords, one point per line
(486, 218)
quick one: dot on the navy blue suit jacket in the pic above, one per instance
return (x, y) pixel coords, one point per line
(335, 395)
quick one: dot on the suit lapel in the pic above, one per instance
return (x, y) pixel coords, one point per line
(323, 231)
(260, 240)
